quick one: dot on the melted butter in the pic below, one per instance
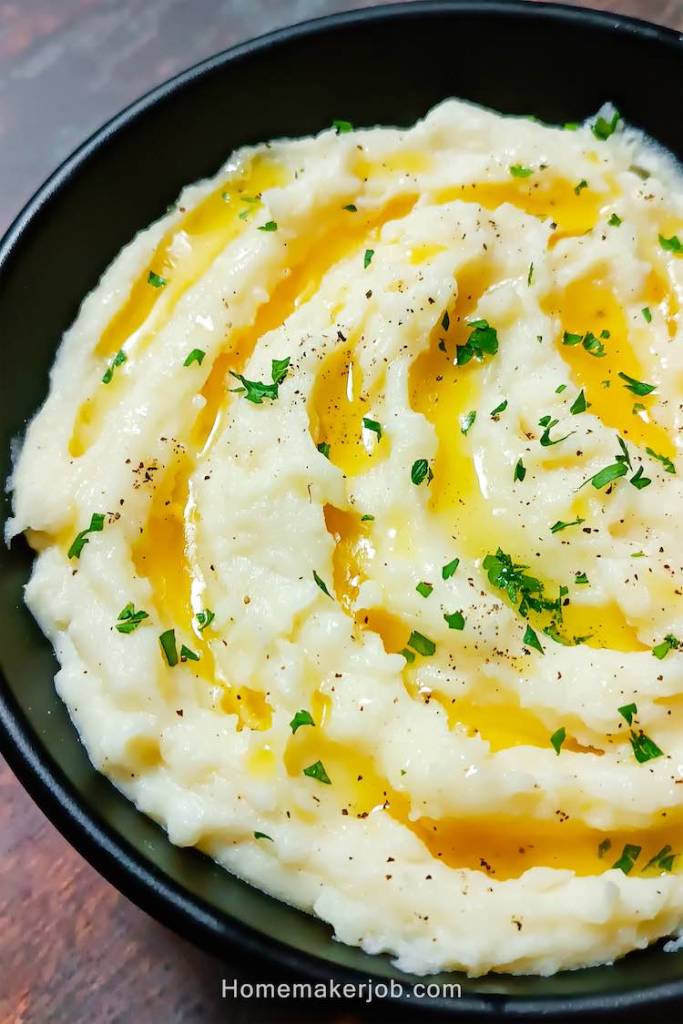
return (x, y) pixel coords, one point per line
(605, 626)
(501, 725)
(660, 294)
(400, 162)
(422, 253)
(504, 848)
(589, 305)
(206, 228)
(337, 408)
(540, 196)
(507, 847)
(444, 393)
(160, 555)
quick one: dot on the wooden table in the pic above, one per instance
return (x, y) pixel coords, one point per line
(72, 950)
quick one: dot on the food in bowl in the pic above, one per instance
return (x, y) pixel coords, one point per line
(357, 513)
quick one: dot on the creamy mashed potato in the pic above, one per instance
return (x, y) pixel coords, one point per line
(358, 518)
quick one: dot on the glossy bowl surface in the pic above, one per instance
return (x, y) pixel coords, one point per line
(382, 65)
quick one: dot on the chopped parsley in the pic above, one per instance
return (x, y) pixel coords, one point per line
(445, 321)
(421, 470)
(579, 404)
(168, 647)
(324, 448)
(455, 620)
(560, 525)
(367, 258)
(424, 589)
(664, 459)
(629, 855)
(615, 220)
(636, 387)
(81, 539)
(663, 859)
(530, 275)
(270, 225)
(578, 189)
(195, 356)
(422, 644)
(628, 712)
(467, 421)
(581, 580)
(530, 639)
(519, 171)
(156, 280)
(604, 846)
(644, 748)
(520, 471)
(128, 619)
(342, 127)
(118, 360)
(591, 344)
(548, 423)
(510, 577)
(495, 413)
(672, 244)
(255, 390)
(262, 835)
(557, 739)
(483, 340)
(186, 654)
(350, 208)
(560, 388)
(204, 619)
(620, 467)
(408, 655)
(647, 315)
(448, 570)
(321, 583)
(302, 717)
(639, 480)
(669, 643)
(367, 518)
(602, 128)
(374, 426)
(317, 771)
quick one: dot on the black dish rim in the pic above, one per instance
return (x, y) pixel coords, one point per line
(105, 849)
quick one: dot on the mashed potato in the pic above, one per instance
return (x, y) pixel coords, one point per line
(358, 522)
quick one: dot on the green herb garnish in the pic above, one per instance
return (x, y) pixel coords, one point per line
(367, 258)
(579, 404)
(324, 448)
(483, 340)
(321, 583)
(204, 619)
(672, 244)
(636, 387)
(519, 171)
(374, 426)
(602, 128)
(647, 315)
(560, 525)
(156, 280)
(118, 360)
(195, 356)
(317, 771)
(629, 855)
(421, 470)
(186, 654)
(422, 644)
(168, 647)
(530, 639)
(262, 835)
(547, 423)
(495, 413)
(255, 390)
(424, 589)
(270, 225)
(557, 739)
(614, 220)
(81, 539)
(342, 127)
(669, 643)
(455, 620)
(578, 189)
(302, 717)
(664, 459)
(520, 471)
(128, 619)
(448, 570)
(467, 421)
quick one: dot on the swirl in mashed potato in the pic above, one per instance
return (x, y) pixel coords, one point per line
(358, 522)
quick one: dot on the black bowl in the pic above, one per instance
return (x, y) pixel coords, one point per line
(385, 65)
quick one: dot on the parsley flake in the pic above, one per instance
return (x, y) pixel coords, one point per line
(495, 413)
(374, 426)
(324, 448)
(128, 619)
(424, 589)
(578, 189)
(367, 258)
(195, 356)
(156, 280)
(270, 225)
(262, 835)
(317, 771)
(421, 470)
(467, 421)
(520, 471)
(448, 570)
(186, 654)
(560, 525)
(644, 748)
(636, 387)
(422, 644)
(669, 643)
(255, 390)
(118, 360)
(629, 855)
(302, 717)
(519, 171)
(672, 244)
(530, 639)
(321, 583)
(663, 859)
(342, 127)
(615, 220)
(579, 404)
(81, 539)
(204, 619)
(483, 340)
(558, 738)
(168, 647)
(547, 423)
(647, 315)
(602, 128)
(664, 459)
(455, 620)
(350, 208)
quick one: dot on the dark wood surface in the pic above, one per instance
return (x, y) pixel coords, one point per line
(72, 949)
